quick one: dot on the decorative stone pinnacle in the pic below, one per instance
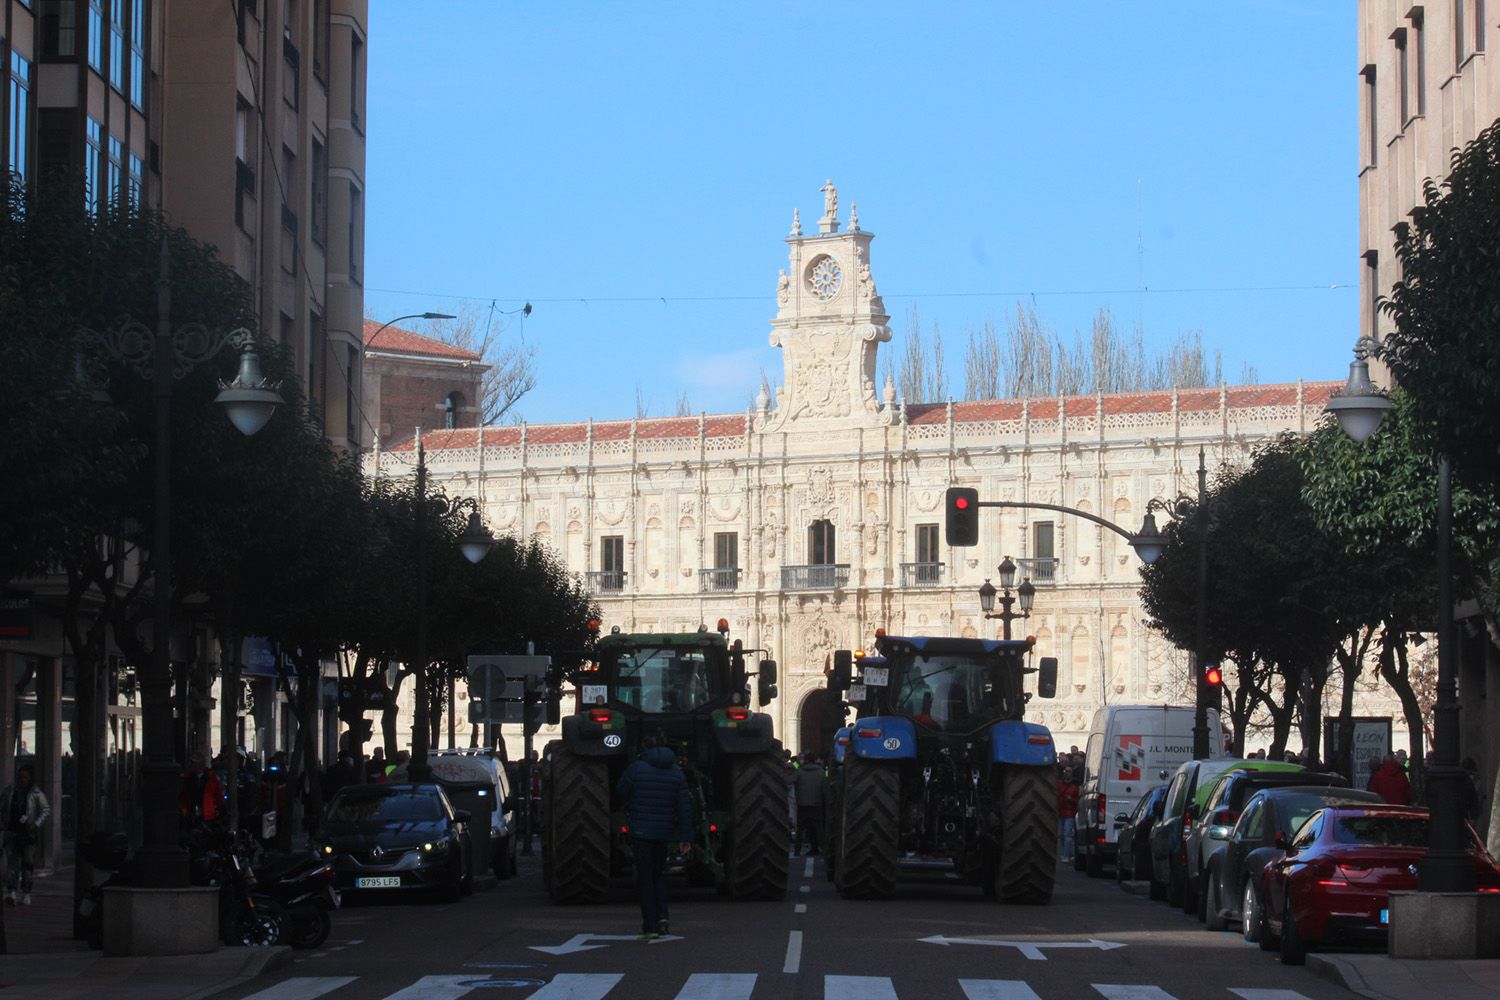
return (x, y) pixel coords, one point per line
(796, 223)
(853, 217)
(829, 223)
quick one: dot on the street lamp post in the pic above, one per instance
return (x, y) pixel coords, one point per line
(163, 357)
(475, 543)
(1360, 407)
(1025, 595)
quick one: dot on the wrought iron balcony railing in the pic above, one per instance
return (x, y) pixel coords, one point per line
(718, 579)
(1041, 572)
(819, 576)
(607, 581)
(921, 574)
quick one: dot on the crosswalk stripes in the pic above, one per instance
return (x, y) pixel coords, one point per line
(718, 986)
(997, 989)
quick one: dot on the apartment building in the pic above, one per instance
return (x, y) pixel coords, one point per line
(242, 119)
(1425, 90)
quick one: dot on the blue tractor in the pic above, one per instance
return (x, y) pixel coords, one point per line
(940, 770)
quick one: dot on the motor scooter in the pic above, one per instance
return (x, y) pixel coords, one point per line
(301, 885)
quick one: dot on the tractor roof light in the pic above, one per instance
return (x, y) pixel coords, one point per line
(723, 626)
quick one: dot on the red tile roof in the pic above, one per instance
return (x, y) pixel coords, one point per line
(1237, 397)
(400, 341)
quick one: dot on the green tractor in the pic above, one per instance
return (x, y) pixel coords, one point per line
(692, 691)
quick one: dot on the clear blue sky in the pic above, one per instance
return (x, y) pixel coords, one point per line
(598, 158)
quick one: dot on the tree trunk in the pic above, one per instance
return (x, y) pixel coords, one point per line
(1311, 705)
(229, 721)
(1397, 673)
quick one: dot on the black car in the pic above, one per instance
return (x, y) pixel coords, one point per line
(1134, 859)
(1226, 800)
(395, 837)
(1233, 876)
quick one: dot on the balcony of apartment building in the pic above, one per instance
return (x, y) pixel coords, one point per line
(606, 581)
(719, 579)
(815, 576)
(921, 574)
(1042, 572)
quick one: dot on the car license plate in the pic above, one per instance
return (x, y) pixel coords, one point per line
(378, 882)
(1385, 917)
(877, 676)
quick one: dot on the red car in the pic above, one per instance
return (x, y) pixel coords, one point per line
(1340, 866)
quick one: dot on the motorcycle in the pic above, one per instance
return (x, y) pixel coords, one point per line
(301, 886)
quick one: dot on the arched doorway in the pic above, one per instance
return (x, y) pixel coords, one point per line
(812, 716)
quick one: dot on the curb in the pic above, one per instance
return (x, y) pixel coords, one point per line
(1329, 967)
(1135, 888)
(258, 962)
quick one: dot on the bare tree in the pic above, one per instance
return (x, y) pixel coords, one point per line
(920, 377)
(512, 366)
(642, 407)
(684, 405)
(1028, 354)
(982, 364)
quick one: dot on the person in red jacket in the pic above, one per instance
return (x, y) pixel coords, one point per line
(1067, 810)
(1390, 783)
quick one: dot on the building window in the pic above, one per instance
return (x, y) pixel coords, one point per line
(93, 152)
(288, 211)
(450, 411)
(1479, 25)
(320, 39)
(1419, 51)
(356, 81)
(1043, 540)
(116, 172)
(821, 549)
(929, 567)
(356, 218)
(319, 168)
(138, 53)
(117, 44)
(317, 363)
(59, 29)
(612, 562)
(135, 182)
(726, 550)
(1370, 117)
(351, 395)
(20, 114)
(1403, 75)
(96, 34)
(1372, 293)
(1460, 26)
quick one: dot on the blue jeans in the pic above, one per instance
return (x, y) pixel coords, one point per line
(651, 881)
(1067, 828)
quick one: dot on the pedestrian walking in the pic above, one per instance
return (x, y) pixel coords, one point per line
(656, 794)
(1067, 810)
(809, 786)
(1390, 783)
(26, 809)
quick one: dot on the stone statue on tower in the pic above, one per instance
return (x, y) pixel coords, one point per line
(829, 223)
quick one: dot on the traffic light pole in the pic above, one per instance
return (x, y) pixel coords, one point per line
(1201, 749)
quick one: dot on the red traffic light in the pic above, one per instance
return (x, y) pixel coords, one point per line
(962, 503)
(1212, 675)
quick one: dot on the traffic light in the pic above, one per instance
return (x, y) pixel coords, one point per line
(962, 506)
(1213, 687)
(1213, 676)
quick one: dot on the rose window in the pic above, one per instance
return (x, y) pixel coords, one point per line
(824, 278)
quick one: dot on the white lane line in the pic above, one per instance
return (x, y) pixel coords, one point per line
(718, 986)
(1132, 992)
(302, 988)
(858, 988)
(436, 988)
(1250, 994)
(805, 888)
(800, 908)
(807, 868)
(793, 952)
(578, 986)
(997, 989)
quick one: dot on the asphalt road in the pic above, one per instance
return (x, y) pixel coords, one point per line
(1092, 941)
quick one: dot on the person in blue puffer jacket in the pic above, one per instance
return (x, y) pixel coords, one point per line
(656, 792)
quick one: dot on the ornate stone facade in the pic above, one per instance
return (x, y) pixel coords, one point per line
(810, 523)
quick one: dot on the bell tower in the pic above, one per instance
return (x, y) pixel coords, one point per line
(829, 322)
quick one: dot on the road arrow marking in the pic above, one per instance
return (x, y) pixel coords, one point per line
(1030, 949)
(580, 942)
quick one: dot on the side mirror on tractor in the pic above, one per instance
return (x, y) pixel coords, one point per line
(1046, 677)
(554, 711)
(765, 682)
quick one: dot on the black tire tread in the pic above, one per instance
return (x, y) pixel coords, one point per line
(1027, 865)
(761, 828)
(575, 827)
(869, 829)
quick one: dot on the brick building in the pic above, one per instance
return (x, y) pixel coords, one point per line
(413, 381)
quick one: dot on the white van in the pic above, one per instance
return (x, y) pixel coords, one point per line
(475, 780)
(1131, 749)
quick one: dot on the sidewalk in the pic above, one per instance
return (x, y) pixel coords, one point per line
(1380, 977)
(44, 960)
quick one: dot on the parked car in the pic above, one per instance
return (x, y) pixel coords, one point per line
(1133, 858)
(394, 837)
(1233, 875)
(1221, 809)
(1188, 788)
(1333, 883)
(1131, 748)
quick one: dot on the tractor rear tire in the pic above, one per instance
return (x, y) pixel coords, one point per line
(869, 829)
(1027, 865)
(575, 827)
(760, 827)
(832, 813)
